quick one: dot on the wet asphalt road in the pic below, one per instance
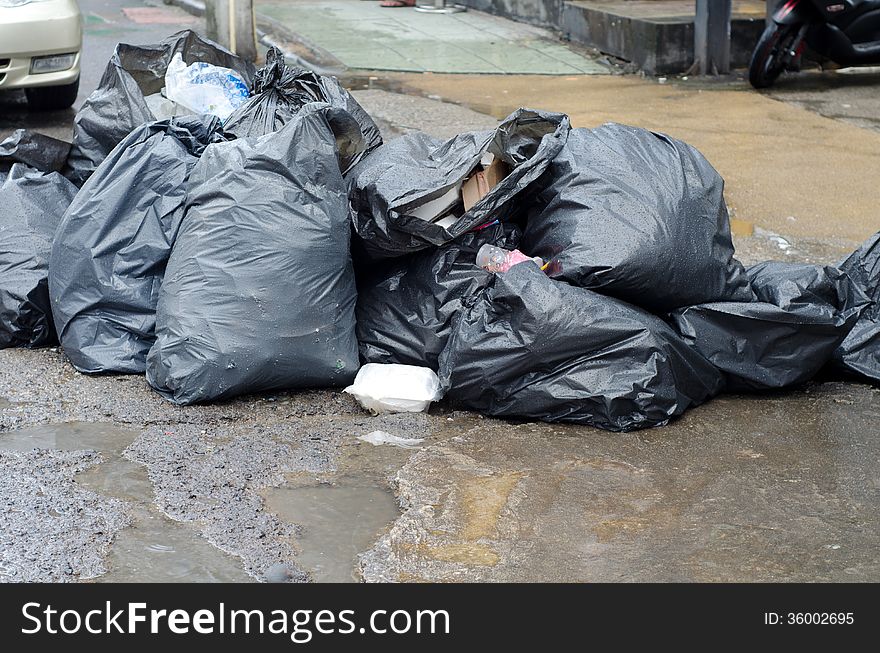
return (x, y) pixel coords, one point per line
(103, 480)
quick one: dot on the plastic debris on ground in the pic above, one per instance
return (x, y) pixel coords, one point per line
(395, 388)
(204, 88)
(259, 292)
(802, 314)
(280, 91)
(406, 307)
(119, 103)
(639, 216)
(859, 353)
(389, 187)
(31, 206)
(530, 347)
(378, 438)
(109, 258)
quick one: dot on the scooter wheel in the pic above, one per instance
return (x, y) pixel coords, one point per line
(771, 54)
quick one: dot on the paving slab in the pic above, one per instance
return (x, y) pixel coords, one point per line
(365, 36)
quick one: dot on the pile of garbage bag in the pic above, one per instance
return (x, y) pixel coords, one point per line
(259, 291)
(859, 353)
(639, 216)
(112, 246)
(412, 194)
(280, 91)
(405, 309)
(227, 231)
(31, 205)
(132, 82)
(35, 150)
(531, 347)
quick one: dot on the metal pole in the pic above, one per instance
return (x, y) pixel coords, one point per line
(231, 23)
(712, 36)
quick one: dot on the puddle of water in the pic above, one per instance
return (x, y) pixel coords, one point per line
(741, 227)
(338, 522)
(154, 548)
(70, 436)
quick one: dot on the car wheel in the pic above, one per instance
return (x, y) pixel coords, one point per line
(52, 98)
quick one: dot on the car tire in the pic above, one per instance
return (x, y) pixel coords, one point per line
(52, 98)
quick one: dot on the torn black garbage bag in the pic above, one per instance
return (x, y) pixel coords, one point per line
(39, 151)
(118, 106)
(109, 258)
(802, 313)
(31, 206)
(259, 292)
(639, 216)
(389, 186)
(405, 312)
(860, 350)
(280, 91)
(534, 348)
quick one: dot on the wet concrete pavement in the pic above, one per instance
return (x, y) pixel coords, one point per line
(103, 480)
(783, 486)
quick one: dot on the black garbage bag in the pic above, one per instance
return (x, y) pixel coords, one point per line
(409, 171)
(37, 150)
(109, 257)
(405, 313)
(280, 91)
(639, 216)
(860, 350)
(802, 313)
(534, 348)
(259, 292)
(31, 206)
(118, 106)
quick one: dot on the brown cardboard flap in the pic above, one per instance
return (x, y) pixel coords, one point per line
(478, 185)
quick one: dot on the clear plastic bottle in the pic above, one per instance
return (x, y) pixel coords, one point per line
(496, 259)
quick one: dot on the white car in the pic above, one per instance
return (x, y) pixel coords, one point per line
(40, 47)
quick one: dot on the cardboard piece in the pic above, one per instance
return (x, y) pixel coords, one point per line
(484, 179)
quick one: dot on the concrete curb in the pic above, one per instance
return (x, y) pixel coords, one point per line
(272, 33)
(194, 7)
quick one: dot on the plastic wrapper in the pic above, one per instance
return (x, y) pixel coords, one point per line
(259, 292)
(280, 91)
(109, 259)
(118, 105)
(405, 310)
(802, 313)
(639, 216)
(533, 348)
(204, 88)
(31, 206)
(390, 185)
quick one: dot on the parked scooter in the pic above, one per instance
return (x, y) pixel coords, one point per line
(845, 31)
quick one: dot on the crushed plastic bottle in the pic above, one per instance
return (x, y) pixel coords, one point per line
(496, 259)
(204, 88)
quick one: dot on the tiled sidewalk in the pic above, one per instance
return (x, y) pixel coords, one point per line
(363, 35)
